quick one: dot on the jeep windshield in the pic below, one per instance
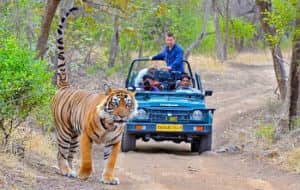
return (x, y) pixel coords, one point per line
(169, 95)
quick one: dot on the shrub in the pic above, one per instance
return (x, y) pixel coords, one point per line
(25, 84)
(266, 132)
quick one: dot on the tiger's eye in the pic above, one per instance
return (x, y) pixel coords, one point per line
(129, 103)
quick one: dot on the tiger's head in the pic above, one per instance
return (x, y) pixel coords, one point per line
(118, 107)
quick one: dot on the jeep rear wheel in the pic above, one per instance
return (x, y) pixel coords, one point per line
(201, 144)
(128, 142)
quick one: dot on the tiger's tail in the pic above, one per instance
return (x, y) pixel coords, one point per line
(62, 77)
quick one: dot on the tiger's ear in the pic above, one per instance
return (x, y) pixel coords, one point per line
(133, 93)
(107, 89)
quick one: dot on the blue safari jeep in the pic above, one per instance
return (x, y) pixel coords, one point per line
(171, 113)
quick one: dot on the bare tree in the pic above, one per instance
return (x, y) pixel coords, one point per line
(280, 72)
(227, 17)
(197, 42)
(219, 44)
(114, 47)
(294, 99)
(45, 27)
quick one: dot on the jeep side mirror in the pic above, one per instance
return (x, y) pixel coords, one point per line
(208, 92)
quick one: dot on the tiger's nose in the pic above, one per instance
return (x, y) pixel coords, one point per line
(120, 117)
(123, 117)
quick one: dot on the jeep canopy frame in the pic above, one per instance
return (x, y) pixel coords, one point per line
(135, 61)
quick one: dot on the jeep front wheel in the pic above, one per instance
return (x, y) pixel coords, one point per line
(201, 144)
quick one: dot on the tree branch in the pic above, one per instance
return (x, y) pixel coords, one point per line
(197, 42)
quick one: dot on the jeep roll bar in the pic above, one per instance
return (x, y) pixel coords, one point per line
(147, 59)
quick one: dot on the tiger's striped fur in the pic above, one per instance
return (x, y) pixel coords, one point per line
(82, 117)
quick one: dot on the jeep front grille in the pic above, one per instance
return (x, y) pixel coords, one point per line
(169, 116)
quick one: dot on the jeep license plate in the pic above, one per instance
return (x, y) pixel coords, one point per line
(169, 127)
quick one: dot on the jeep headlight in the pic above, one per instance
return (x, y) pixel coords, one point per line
(197, 115)
(142, 114)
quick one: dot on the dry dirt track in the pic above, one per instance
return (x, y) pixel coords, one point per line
(167, 166)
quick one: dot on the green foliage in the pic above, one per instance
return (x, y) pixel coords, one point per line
(295, 124)
(239, 29)
(266, 132)
(13, 14)
(24, 82)
(117, 68)
(184, 15)
(146, 28)
(94, 68)
(43, 116)
(280, 19)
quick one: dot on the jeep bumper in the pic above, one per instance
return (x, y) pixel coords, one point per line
(191, 128)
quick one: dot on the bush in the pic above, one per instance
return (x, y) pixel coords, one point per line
(25, 84)
(266, 132)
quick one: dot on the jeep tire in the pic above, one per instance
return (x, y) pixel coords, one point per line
(128, 142)
(201, 144)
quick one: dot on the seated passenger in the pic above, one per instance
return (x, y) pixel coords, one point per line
(185, 83)
(138, 82)
(149, 83)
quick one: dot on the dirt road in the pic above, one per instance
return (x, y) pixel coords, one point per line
(167, 166)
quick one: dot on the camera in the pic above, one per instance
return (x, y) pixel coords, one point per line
(147, 85)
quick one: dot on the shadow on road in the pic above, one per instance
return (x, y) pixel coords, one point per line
(182, 149)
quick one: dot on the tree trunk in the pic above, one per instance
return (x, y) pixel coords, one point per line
(29, 28)
(140, 51)
(280, 72)
(219, 46)
(226, 37)
(46, 26)
(294, 99)
(114, 47)
(202, 34)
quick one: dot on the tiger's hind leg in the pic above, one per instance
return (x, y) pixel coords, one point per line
(86, 156)
(72, 151)
(110, 157)
(64, 144)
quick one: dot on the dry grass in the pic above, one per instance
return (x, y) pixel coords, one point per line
(210, 63)
(202, 62)
(12, 169)
(41, 145)
(256, 58)
(10, 160)
(22, 158)
(293, 159)
(24, 140)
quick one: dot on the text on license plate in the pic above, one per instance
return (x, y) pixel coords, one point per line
(169, 127)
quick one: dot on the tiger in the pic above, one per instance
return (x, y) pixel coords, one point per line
(82, 118)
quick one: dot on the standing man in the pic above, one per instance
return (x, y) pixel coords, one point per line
(172, 54)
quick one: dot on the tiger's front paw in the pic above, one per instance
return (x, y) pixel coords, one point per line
(84, 174)
(72, 174)
(110, 181)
